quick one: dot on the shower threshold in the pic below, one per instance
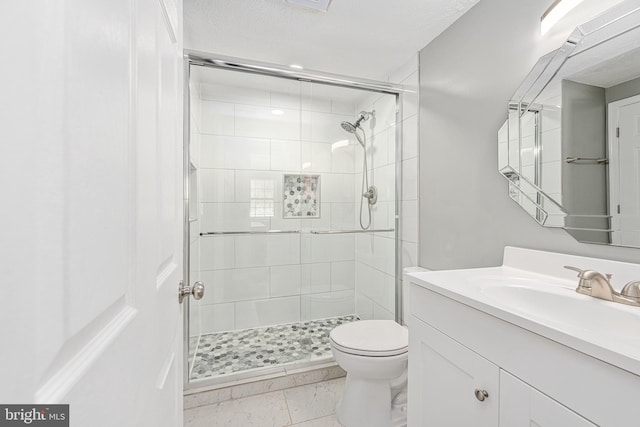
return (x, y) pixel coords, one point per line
(233, 352)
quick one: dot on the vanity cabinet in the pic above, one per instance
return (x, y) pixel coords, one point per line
(457, 353)
(523, 406)
(444, 376)
(457, 387)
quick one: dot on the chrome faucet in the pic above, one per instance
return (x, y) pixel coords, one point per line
(598, 285)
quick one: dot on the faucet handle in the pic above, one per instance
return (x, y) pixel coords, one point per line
(587, 274)
(632, 290)
(579, 270)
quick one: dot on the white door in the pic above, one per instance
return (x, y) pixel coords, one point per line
(523, 406)
(449, 385)
(624, 171)
(91, 218)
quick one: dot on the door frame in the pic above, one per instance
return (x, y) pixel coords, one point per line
(186, 228)
(613, 176)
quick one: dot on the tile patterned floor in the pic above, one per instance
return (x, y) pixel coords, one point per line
(311, 405)
(235, 351)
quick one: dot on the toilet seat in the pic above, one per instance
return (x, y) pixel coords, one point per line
(374, 338)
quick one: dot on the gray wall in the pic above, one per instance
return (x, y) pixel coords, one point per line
(623, 90)
(467, 76)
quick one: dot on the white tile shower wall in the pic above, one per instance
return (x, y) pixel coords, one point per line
(272, 311)
(327, 304)
(248, 139)
(375, 260)
(195, 124)
(285, 280)
(267, 250)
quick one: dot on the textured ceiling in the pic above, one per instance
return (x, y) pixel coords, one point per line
(368, 39)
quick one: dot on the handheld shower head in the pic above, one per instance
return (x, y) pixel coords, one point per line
(352, 127)
(349, 127)
(369, 192)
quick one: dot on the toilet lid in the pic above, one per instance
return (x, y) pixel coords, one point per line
(371, 338)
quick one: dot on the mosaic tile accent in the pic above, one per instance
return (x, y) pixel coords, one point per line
(234, 351)
(301, 196)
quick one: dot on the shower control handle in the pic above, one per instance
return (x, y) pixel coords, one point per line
(197, 291)
(371, 195)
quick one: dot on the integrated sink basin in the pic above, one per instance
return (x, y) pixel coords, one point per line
(561, 306)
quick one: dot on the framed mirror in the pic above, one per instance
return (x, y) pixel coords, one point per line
(570, 148)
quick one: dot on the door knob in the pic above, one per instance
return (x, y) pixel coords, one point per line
(481, 395)
(197, 291)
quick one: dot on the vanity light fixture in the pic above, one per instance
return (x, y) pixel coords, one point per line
(556, 11)
(277, 112)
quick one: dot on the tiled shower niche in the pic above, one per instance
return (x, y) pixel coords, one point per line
(301, 196)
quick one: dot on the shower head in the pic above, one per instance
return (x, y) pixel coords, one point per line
(352, 128)
(349, 127)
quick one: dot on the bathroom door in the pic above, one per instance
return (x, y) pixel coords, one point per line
(91, 221)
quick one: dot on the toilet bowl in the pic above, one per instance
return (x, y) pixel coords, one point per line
(374, 354)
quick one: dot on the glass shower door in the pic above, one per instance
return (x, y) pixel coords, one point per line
(249, 254)
(275, 219)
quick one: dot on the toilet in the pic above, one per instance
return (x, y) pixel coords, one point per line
(374, 354)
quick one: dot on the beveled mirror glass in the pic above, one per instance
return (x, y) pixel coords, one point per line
(570, 148)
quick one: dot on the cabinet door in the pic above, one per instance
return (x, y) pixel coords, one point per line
(443, 378)
(523, 406)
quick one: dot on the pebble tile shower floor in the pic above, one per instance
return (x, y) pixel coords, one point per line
(235, 351)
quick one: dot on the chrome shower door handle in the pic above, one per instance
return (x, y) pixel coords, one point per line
(197, 291)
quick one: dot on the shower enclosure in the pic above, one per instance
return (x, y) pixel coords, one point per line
(291, 207)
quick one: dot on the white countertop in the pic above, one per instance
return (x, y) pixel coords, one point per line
(532, 290)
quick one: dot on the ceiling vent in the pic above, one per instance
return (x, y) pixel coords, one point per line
(321, 5)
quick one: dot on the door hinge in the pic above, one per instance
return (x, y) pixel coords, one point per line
(618, 208)
(617, 132)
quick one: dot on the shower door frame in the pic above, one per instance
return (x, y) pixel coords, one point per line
(197, 58)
